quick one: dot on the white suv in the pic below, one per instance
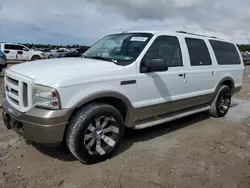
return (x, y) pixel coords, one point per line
(130, 79)
(18, 52)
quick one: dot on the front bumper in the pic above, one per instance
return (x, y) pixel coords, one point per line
(38, 125)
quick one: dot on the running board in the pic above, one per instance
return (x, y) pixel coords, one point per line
(170, 118)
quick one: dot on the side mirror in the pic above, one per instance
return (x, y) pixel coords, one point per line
(155, 65)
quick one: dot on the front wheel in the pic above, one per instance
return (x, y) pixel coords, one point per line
(221, 103)
(35, 57)
(95, 132)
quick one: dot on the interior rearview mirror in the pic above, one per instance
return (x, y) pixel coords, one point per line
(156, 65)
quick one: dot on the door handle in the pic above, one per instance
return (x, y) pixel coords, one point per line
(183, 75)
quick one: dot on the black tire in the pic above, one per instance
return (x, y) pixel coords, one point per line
(5, 65)
(35, 57)
(221, 102)
(50, 57)
(86, 117)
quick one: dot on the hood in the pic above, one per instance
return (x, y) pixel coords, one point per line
(45, 72)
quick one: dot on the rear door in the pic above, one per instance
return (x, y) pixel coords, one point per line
(10, 51)
(200, 73)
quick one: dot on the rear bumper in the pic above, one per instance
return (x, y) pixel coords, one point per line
(38, 125)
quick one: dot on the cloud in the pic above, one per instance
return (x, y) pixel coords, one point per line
(85, 21)
(225, 16)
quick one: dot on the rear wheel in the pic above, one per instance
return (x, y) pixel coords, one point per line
(221, 103)
(50, 57)
(95, 133)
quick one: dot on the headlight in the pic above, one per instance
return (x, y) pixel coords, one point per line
(46, 97)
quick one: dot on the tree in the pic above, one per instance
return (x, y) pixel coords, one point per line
(244, 47)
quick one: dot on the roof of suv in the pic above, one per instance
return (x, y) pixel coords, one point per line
(169, 32)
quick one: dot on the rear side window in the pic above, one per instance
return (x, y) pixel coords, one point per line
(225, 52)
(198, 52)
(9, 47)
(13, 47)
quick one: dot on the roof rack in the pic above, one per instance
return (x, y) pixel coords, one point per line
(195, 34)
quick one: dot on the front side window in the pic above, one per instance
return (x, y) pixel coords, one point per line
(121, 49)
(166, 48)
(198, 52)
(225, 52)
(19, 47)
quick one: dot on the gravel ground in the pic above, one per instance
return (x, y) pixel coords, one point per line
(196, 151)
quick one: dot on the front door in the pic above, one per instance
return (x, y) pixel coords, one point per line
(26, 54)
(162, 92)
(23, 53)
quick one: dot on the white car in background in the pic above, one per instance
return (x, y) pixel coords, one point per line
(19, 52)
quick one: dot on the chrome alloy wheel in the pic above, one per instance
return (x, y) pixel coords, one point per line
(224, 103)
(101, 136)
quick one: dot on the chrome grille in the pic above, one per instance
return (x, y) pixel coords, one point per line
(18, 91)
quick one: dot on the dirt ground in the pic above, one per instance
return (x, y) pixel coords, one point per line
(196, 151)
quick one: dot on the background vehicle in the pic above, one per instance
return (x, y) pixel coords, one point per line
(76, 53)
(3, 61)
(19, 52)
(59, 52)
(246, 58)
(134, 80)
(48, 54)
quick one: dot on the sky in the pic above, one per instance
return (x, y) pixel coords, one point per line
(86, 21)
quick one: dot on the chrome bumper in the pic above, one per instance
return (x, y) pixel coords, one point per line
(38, 125)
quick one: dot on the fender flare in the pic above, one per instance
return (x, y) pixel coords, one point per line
(223, 80)
(130, 118)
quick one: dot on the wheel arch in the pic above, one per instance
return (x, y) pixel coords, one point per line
(115, 99)
(228, 81)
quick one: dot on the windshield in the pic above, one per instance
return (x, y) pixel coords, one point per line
(121, 48)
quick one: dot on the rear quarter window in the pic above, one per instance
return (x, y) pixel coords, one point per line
(9, 47)
(225, 52)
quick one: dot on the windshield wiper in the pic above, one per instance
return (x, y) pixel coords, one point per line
(98, 57)
(101, 58)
